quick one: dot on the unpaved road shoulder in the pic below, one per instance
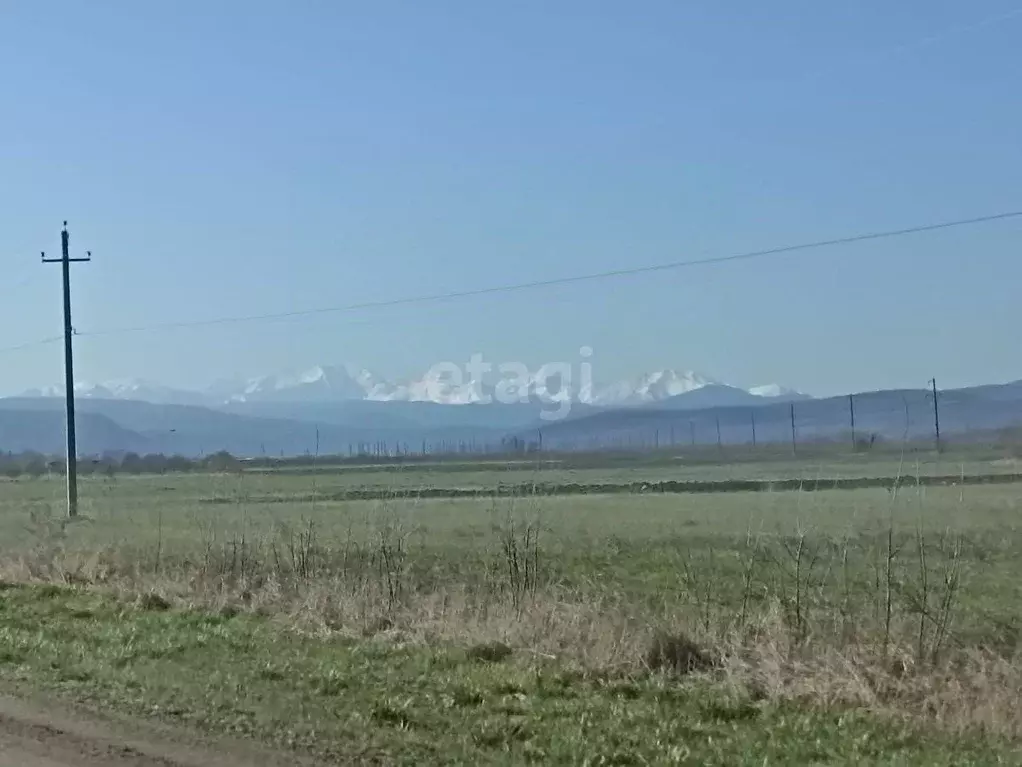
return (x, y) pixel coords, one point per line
(38, 734)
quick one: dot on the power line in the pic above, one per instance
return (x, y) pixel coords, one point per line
(930, 39)
(961, 28)
(13, 285)
(30, 344)
(438, 297)
(20, 284)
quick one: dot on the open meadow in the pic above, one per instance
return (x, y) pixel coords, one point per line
(871, 625)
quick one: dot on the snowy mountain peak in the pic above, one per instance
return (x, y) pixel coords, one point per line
(126, 389)
(774, 390)
(326, 384)
(314, 375)
(322, 383)
(670, 383)
(650, 387)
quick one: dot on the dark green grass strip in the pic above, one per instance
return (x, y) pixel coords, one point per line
(618, 488)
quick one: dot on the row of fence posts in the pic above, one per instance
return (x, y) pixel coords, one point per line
(533, 443)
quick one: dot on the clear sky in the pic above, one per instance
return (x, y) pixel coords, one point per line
(238, 158)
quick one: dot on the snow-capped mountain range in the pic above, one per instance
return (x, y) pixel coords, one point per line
(324, 384)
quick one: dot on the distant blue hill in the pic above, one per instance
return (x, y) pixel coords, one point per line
(254, 429)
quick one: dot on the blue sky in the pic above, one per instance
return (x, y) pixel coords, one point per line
(240, 158)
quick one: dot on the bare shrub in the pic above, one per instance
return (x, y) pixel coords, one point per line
(519, 542)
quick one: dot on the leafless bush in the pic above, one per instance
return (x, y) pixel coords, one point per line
(519, 542)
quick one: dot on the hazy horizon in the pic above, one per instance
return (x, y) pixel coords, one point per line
(599, 381)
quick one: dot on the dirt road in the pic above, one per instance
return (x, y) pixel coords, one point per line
(38, 734)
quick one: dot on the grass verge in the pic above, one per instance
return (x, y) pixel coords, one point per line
(388, 702)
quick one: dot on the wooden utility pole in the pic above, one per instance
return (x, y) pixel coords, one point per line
(851, 413)
(69, 377)
(752, 415)
(936, 413)
(794, 448)
(692, 432)
(720, 445)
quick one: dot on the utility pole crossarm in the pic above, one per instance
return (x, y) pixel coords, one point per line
(65, 256)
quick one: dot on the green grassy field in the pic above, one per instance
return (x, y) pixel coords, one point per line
(852, 626)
